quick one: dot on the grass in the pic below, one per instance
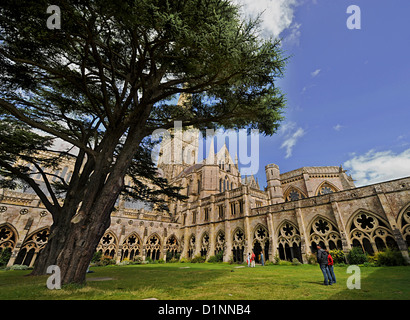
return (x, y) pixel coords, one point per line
(207, 281)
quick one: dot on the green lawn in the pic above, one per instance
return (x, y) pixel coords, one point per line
(213, 281)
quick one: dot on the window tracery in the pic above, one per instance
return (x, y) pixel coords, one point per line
(294, 194)
(325, 234)
(289, 243)
(131, 247)
(370, 233)
(326, 188)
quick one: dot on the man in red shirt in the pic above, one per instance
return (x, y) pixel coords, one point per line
(253, 259)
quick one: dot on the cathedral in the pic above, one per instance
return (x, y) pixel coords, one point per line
(229, 214)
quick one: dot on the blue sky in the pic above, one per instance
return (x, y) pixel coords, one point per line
(348, 91)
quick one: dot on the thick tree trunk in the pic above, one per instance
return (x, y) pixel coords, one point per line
(71, 247)
(74, 237)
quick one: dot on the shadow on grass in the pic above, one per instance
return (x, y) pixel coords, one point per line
(376, 283)
(173, 282)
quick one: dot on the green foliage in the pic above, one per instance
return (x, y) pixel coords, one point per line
(97, 256)
(276, 259)
(296, 262)
(104, 261)
(185, 260)
(5, 255)
(198, 259)
(356, 256)
(18, 267)
(312, 259)
(389, 257)
(104, 82)
(212, 259)
(117, 52)
(216, 258)
(173, 257)
(337, 255)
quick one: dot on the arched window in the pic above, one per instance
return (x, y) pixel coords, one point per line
(289, 244)
(7, 243)
(293, 194)
(32, 246)
(172, 247)
(238, 245)
(153, 247)
(220, 242)
(325, 234)
(204, 244)
(404, 223)
(191, 246)
(108, 245)
(131, 247)
(261, 243)
(325, 188)
(370, 232)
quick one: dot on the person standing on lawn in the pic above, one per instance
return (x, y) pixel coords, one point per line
(323, 263)
(330, 266)
(253, 260)
(262, 260)
(248, 259)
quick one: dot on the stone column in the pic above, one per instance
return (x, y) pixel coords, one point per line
(198, 242)
(346, 244)
(212, 240)
(247, 229)
(304, 236)
(273, 244)
(119, 249)
(227, 227)
(184, 253)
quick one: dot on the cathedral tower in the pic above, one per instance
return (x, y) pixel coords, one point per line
(274, 186)
(179, 148)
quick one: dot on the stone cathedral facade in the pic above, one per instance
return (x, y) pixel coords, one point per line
(228, 213)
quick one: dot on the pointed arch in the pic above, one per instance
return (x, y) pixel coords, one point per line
(260, 233)
(8, 236)
(220, 241)
(172, 247)
(191, 245)
(370, 231)
(293, 193)
(280, 232)
(153, 246)
(403, 221)
(8, 240)
(324, 232)
(131, 247)
(326, 187)
(32, 245)
(238, 244)
(289, 241)
(261, 242)
(204, 244)
(108, 244)
(350, 221)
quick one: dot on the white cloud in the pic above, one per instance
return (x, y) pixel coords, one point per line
(277, 15)
(294, 34)
(292, 135)
(315, 73)
(338, 127)
(375, 167)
